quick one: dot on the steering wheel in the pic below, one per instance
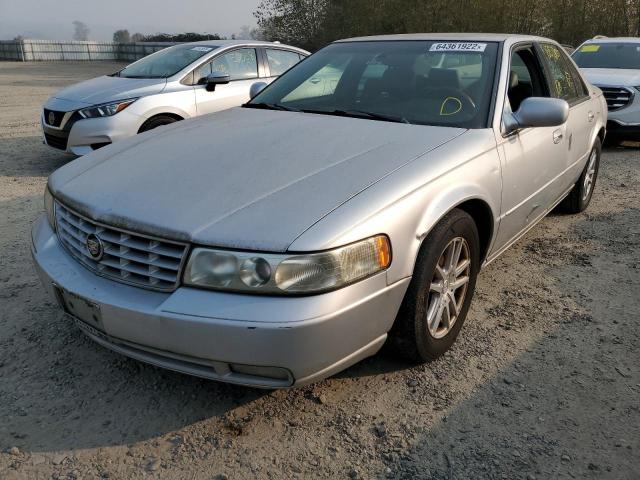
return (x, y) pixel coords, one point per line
(452, 101)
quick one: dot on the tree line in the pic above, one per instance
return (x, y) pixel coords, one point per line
(312, 24)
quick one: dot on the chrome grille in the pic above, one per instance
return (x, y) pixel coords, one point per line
(617, 97)
(128, 257)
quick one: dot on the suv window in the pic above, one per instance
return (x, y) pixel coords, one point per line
(561, 80)
(240, 64)
(280, 61)
(608, 55)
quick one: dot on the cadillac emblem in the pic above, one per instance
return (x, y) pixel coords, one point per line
(94, 246)
(52, 118)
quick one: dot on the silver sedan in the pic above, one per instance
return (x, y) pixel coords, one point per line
(178, 82)
(351, 203)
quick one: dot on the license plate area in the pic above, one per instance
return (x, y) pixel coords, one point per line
(79, 308)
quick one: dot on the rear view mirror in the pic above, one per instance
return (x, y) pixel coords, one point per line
(256, 88)
(537, 112)
(216, 79)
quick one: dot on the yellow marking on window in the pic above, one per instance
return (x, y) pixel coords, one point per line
(443, 113)
(590, 48)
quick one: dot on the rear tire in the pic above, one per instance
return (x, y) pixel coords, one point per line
(438, 298)
(156, 121)
(578, 200)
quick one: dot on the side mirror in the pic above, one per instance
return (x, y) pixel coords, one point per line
(256, 88)
(216, 79)
(537, 112)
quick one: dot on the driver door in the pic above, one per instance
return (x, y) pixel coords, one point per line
(533, 158)
(242, 66)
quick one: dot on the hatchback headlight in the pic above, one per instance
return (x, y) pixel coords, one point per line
(304, 273)
(50, 207)
(105, 110)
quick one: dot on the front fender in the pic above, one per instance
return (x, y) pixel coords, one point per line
(409, 203)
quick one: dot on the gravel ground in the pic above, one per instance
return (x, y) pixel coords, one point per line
(544, 381)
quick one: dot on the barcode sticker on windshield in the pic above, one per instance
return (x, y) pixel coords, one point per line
(458, 47)
(202, 49)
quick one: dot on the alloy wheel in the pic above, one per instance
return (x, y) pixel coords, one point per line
(589, 176)
(448, 287)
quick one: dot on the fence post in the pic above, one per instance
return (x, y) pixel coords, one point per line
(89, 52)
(21, 46)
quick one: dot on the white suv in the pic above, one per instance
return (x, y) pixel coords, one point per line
(613, 64)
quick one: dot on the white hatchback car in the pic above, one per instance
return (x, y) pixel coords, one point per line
(178, 82)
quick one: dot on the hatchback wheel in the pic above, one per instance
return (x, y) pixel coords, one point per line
(438, 298)
(155, 122)
(580, 197)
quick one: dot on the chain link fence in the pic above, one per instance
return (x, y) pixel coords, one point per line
(51, 50)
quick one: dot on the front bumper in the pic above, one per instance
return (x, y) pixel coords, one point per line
(205, 333)
(79, 136)
(625, 122)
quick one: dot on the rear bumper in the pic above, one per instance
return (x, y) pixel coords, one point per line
(206, 333)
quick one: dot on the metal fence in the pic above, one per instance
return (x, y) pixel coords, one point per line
(51, 50)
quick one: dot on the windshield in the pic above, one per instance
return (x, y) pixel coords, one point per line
(608, 55)
(166, 62)
(418, 82)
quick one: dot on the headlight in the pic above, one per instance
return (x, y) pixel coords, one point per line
(105, 110)
(50, 207)
(287, 274)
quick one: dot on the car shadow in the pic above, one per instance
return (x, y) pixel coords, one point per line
(565, 406)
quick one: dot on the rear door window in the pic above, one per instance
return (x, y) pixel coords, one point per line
(280, 61)
(561, 80)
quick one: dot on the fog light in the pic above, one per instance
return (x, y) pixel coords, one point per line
(274, 373)
(255, 272)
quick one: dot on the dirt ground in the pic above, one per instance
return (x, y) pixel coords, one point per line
(544, 381)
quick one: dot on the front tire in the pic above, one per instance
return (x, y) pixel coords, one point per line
(156, 121)
(578, 200)
(439, 295)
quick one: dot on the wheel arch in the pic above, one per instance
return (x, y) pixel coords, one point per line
(482, 214)
(162, 114)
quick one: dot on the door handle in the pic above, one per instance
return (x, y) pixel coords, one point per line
(591, 116)
(557, 136)
(315, 80)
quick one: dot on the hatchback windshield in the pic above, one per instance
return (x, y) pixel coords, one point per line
(166, 62)
(608, 55)
(418, 82)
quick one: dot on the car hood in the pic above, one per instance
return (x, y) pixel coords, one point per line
(243, 178)
(106, 89)
(612, 77)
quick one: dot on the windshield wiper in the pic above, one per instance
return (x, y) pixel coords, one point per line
(270, 106)
(360, 114)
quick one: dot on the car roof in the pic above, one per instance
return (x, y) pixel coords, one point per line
(614, 40)
(230, 43)
(476, 37)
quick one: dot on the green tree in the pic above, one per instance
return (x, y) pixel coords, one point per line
(121, 36)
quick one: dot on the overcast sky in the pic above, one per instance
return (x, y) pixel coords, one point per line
(52, 19)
